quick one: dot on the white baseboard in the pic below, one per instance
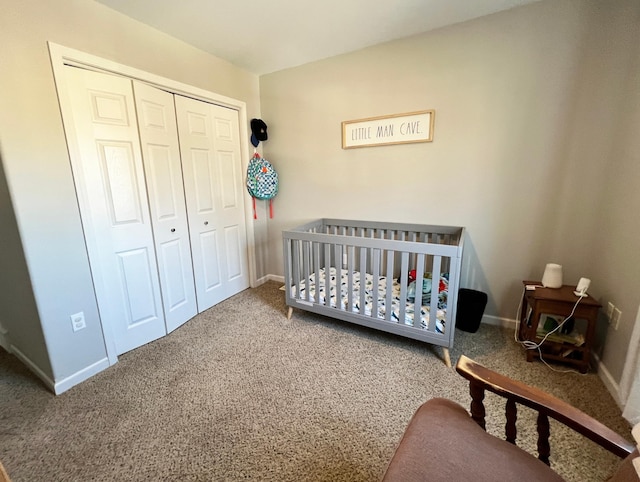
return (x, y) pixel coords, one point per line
(497, 321)
(609, 382)
(66, 383)
(270, 277)
(261, 281)
(80, 376)
(33, 367)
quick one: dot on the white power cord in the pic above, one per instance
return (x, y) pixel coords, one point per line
(531, 345)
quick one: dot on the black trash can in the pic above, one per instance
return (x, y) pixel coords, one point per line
(471, 305)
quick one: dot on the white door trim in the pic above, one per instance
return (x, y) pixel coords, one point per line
(61, 56)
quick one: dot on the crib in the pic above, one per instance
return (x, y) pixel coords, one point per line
(394, 277)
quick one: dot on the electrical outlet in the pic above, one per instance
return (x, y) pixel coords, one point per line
(610, 309)
(616, 318)
(77, 321)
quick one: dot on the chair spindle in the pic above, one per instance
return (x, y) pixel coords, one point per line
(477, 407)
(544, 450)
(512, 416)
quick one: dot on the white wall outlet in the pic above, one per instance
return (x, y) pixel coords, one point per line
(77, 321)
(616, 318)
(610, 308)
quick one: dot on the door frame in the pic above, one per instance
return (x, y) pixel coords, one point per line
(61, 56)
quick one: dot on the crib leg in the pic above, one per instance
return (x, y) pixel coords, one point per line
(289, 312)
(447, 357)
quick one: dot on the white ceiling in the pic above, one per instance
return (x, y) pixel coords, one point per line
(265, 36)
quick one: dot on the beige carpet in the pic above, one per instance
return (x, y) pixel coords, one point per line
(242, 393)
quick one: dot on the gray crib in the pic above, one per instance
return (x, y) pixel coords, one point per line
(361, 272)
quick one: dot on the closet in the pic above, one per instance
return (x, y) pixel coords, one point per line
(159, 185)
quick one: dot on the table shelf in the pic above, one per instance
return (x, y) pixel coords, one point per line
(558, 303)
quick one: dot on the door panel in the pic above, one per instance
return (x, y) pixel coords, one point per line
(201, 166)
(160, 175)
(117, 162)
(210, 256)
(228, 174)
(137, 276)
(234, 258)
(112, 196)
(163, 170)
(176, 293)
(209, 142)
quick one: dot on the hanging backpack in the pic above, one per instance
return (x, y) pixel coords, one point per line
(262, 182)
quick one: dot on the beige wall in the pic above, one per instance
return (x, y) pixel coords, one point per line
(37, 167)
(599, 232)
(17, 304)
(499, 86)
(513, 110)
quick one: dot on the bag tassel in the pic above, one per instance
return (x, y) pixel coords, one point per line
(271, 208)
(255, 215)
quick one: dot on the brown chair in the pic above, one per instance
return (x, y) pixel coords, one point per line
(443, 443)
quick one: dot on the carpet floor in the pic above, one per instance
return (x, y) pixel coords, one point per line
(241, 392)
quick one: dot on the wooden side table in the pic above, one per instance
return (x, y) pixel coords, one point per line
(558, 302)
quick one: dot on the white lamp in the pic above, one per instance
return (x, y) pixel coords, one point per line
(552, 277)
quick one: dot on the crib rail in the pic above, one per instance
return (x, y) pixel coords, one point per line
(374, 254)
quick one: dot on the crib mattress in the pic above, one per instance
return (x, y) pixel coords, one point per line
(319, 288)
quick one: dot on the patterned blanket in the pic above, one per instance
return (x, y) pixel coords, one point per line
(320, 288)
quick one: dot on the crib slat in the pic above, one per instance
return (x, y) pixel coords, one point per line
(306, 246)
(287, 266)
(404, 278)
(435, 293)
(351, 254)
(337, 250)
(375, 272)
(417, 316)
(388, 303)
(295, 255)
(412, 257)
(452, 299)
(363, 279)
(327, 274)
(316, 257)
(383, 252)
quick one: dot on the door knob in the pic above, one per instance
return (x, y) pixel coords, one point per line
(173, 230)
(206, 222)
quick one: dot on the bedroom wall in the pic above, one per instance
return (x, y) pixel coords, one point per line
(617, 235)
(500, 85)
(18, 309)
(596, 236)
(37, 166)
(533, 108)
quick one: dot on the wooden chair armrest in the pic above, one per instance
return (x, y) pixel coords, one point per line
(545, 404)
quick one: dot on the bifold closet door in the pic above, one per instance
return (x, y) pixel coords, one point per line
(163, 172)
(109, 178)
(210, 151)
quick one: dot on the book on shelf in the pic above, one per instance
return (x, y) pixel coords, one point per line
(549, 323)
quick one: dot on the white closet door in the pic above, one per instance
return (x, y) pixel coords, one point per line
(109, 179)
(210, 148)
(163, 172)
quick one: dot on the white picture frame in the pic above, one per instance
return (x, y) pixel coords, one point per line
(387, 130)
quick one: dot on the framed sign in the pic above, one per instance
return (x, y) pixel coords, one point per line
(389, 129)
